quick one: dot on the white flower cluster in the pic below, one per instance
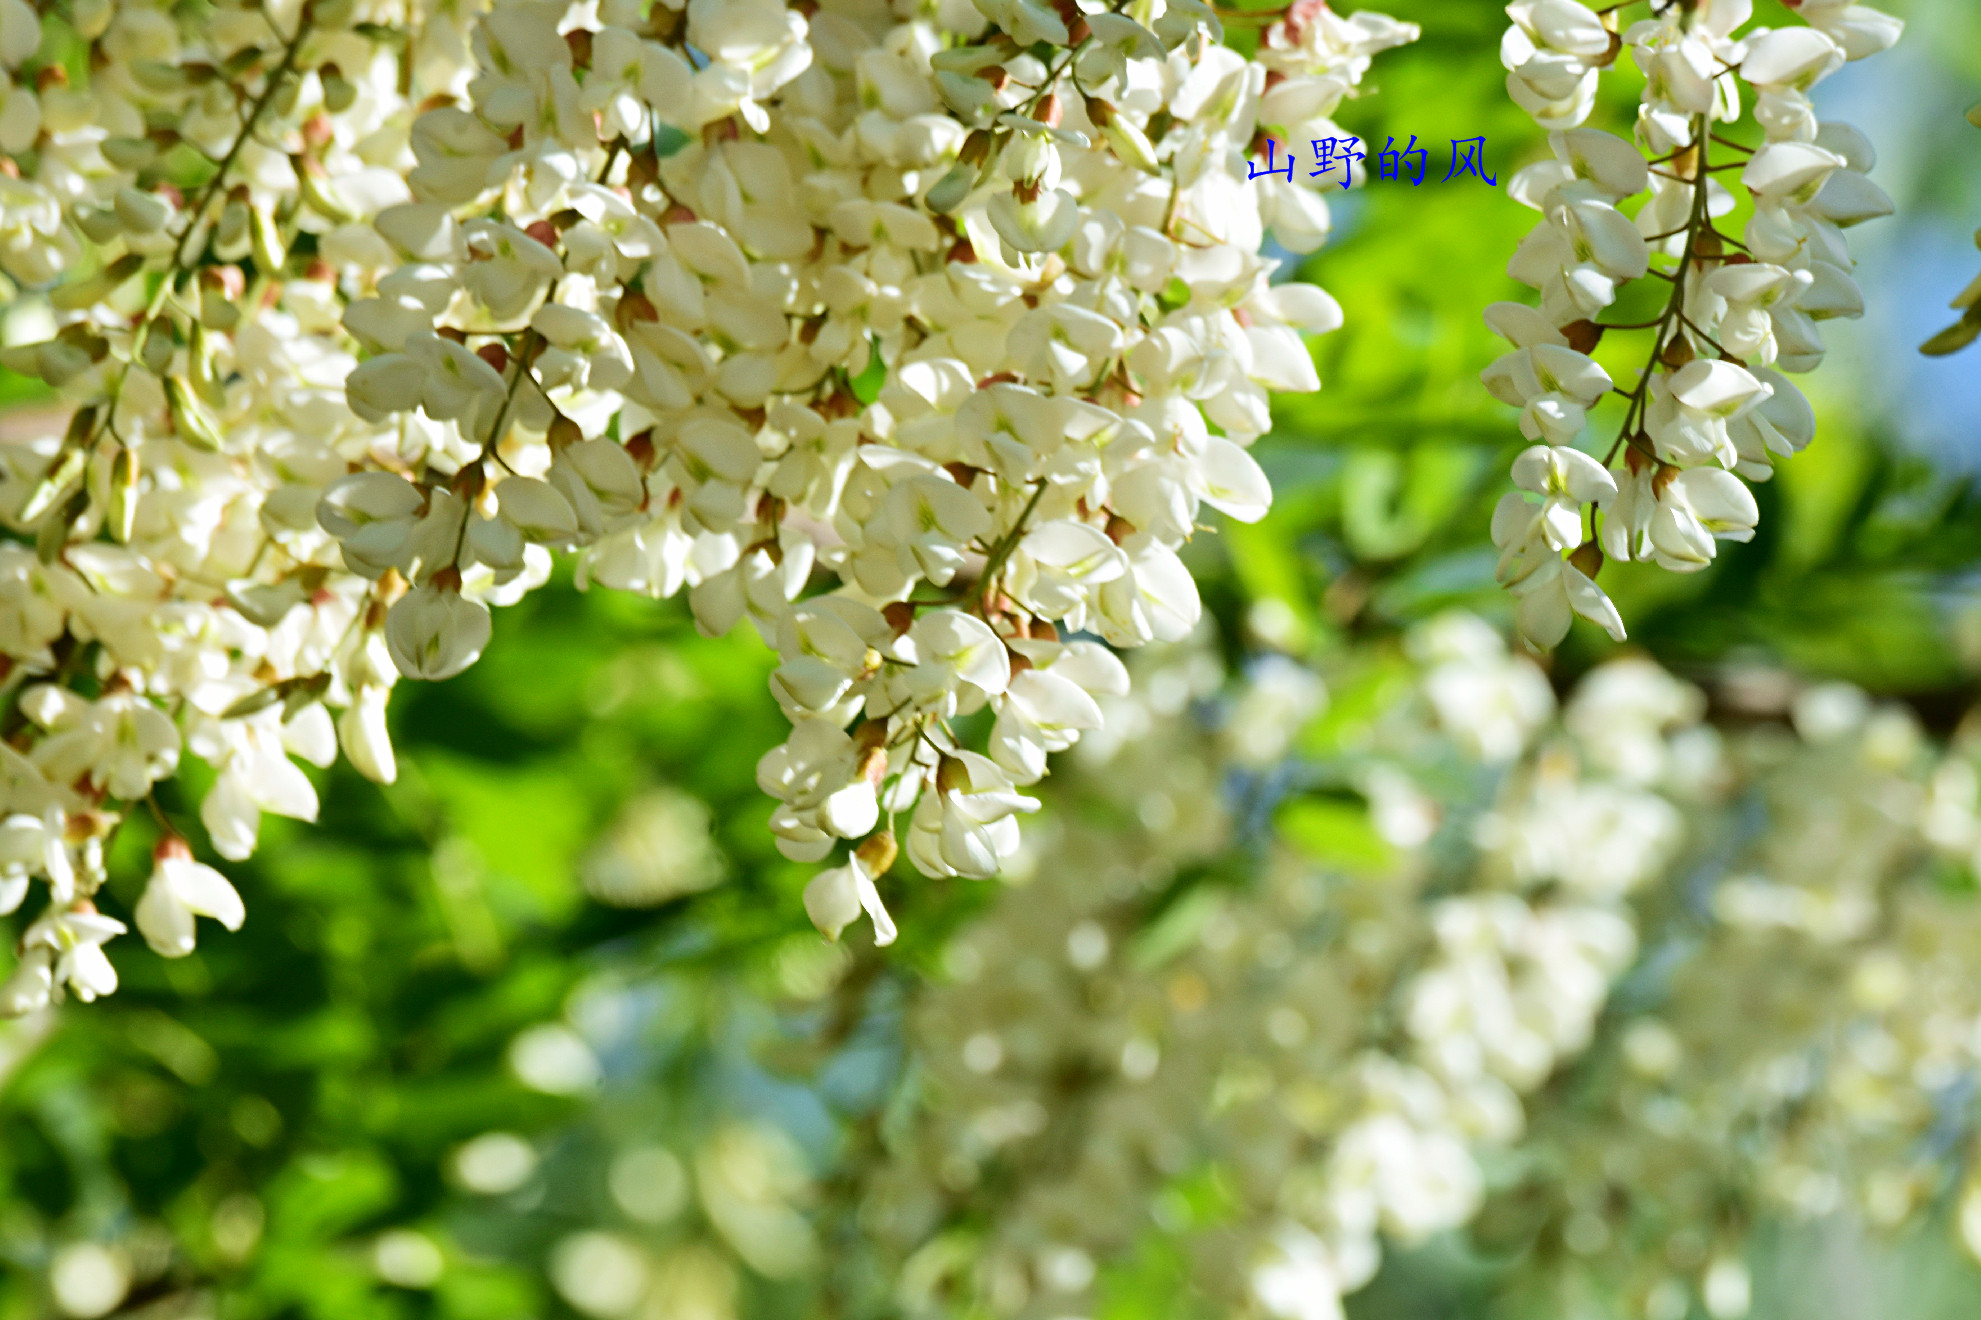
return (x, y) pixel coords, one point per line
(1805, 1035)
(954, 312)
(1710, 409)
(1339, 1046)
(178, 216)
(1744, 960)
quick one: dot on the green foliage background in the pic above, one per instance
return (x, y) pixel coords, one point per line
(314, 1071)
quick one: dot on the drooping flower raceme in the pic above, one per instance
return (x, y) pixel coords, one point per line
(1709, 409)
(1073, 1067)
(948, 323)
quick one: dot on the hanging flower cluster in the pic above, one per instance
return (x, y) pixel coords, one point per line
(1711, 409)
(1842, 1083)
(1626, 986)
(954, 312)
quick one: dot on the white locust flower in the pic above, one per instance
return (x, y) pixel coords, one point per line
(1552, 54)
(1696, 508)
(966, 824)
(1553, 386)
(1565, 479)
(835, 898)
(62, 951)
(1807, 183)
(1547, 598)
(508, 346)
(434, 632)
(27, 849)
(1692, 409)
(179, 890)
(121, 743)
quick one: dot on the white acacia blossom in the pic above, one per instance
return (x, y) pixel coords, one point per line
(1346, 1047)
(1709, 409)
(1624, 986)
(919, 336)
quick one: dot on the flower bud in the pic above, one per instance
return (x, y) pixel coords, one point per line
(831, 901)
(219, 286)
(339, 93)
(362, 732)
(156, 352)
(141, 212)
(1130, 144)
(189, 418)
(949, 191)
(878, 852)
(52, 537)
(122, 515)
(54, 483)
(269, 249)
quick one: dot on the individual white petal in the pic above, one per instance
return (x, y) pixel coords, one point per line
(1720, 500)
(1720, 389)
(1796, 57)
(1522, 325)
(832, 900)
(362, 731)
(536, 509)
(165, 922)
(1541, 610)
(1591, 602)
(852, 811)
(1613, 164)
(1788, 172)
(1232, 481)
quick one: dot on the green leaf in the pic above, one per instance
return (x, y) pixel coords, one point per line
(867, 385)
(1175, 930)
(669, 140)
(528, 823)
(327, 1194)
(1336, 833)
(1952, 339)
